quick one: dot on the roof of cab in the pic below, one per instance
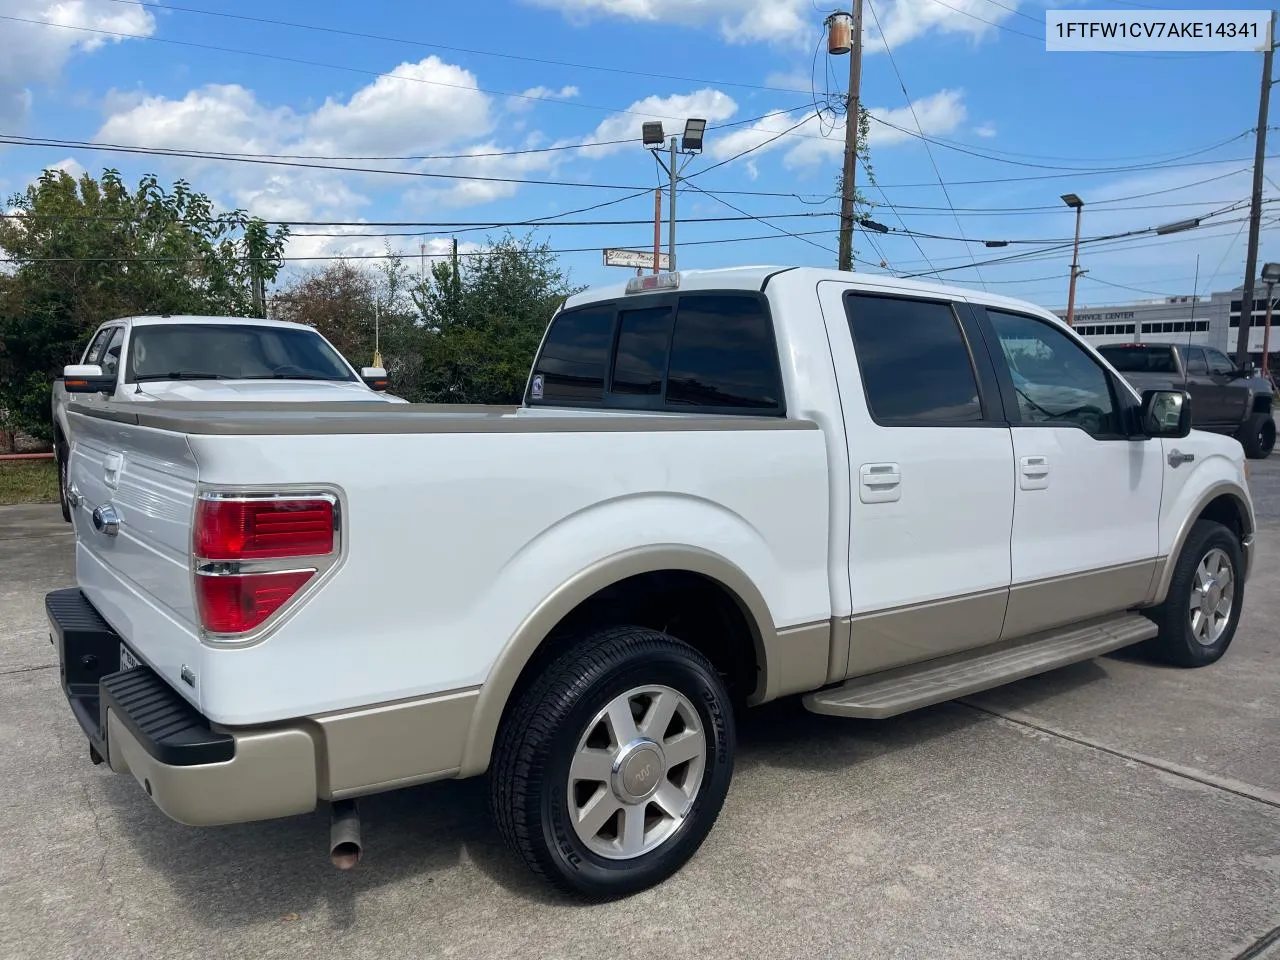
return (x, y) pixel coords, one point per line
(753, 278)
(152, 321)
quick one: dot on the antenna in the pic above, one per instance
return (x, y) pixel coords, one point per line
(1191, 325)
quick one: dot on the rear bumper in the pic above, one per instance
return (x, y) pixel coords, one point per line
(196, 772)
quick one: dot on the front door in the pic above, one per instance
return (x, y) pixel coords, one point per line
(931, 476)
(1087, 509)
(1198, 384)
(1229, 398)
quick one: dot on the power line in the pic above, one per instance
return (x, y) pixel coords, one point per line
(545, 61)
(911, 106)
(376, 256)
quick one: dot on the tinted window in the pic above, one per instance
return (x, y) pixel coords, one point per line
(914, 360)
(641, 361)
(94, 353)
(232, 352)
(1055, 379)
(723, 354)
(574, 356)
(1134, 359)
(110, 357)
(1196, 362)
(1218, 362)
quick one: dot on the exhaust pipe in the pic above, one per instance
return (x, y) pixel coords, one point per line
(344, 834)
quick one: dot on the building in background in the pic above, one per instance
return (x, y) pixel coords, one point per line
(1212, 320)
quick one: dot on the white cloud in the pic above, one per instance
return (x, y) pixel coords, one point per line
(738, 20)
(808, 144)
(904, 20)
(713, 106)
(70, 166)
(225, 118)
(34, 53)
(794, 21)
(987, 130)
(528, 99)
(419, 106)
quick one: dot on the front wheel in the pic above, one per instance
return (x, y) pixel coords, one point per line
(61, 453)
(1258, 436)
(613, 766)
(1199, 616)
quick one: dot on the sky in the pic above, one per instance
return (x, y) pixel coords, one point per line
(976, 131)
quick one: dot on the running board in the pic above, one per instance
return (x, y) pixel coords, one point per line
(896, 691)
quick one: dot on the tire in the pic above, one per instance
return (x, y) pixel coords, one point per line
(1184, 640)
(1258, 436)
(563, 723)
(60, 453)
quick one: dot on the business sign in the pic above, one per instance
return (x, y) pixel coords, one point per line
(635, 258)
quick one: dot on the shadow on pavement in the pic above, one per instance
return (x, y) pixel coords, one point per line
(420, 836)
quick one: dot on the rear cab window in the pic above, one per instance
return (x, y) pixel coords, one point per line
(695, 352)
(1132, 358)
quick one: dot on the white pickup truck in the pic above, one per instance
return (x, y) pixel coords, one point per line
(721, 488)
(205, 358)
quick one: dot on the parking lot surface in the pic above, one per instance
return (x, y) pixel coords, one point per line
(1112, 809)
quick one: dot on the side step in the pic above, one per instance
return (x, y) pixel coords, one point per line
(896, 691)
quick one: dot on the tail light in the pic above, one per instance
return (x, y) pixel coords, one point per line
(253, 554)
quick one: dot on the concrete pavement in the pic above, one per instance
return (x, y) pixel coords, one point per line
(1110, 810)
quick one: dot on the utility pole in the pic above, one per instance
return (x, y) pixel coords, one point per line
(1255, 207)
(657, 227)
(457, 279)
(671, 211)
(852, 118)
(1073, 201)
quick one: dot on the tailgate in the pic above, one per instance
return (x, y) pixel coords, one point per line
(139, 576)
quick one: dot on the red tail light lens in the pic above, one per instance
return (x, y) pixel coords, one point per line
(263, 529)
(237, 604)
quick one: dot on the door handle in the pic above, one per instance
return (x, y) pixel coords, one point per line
(879, 483)
(112, 464)
(1033, 473)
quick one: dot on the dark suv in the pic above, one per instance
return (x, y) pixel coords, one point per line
(1224, 398)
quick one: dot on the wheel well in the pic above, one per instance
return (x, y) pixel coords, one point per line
(689, 606)
(1262, 403)
(1226, 511)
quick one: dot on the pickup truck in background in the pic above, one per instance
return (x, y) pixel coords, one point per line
(721, 488)
(1224, 397)
(206, 358)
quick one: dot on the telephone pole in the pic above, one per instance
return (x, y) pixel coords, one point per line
(1255, 207)
(845, 37)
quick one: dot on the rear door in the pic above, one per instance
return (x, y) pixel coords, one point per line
(931, 464)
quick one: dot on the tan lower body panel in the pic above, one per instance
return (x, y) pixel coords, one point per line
(891, 638)
(1046, 604)
(273, 774)
(394, 744)
(797, 659)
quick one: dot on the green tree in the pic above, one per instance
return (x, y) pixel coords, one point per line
(345, 303)
(87, 250)
(484, 323)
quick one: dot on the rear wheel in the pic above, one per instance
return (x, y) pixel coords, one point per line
(613, 766)
(1199, 616)
(1258, 436)
(60, 452)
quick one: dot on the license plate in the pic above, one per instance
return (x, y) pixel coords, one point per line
(127, 660)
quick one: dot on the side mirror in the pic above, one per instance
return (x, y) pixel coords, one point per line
(375, 378)
(1166, 413)
(86, 378)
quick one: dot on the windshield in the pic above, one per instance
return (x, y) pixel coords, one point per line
(1140, 359)
(231, 352)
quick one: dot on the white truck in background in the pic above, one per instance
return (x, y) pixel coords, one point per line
(722, 488)
(200, 359)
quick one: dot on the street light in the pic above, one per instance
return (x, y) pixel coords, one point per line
(690, 144)
(1073, 201)
(1270, 275)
